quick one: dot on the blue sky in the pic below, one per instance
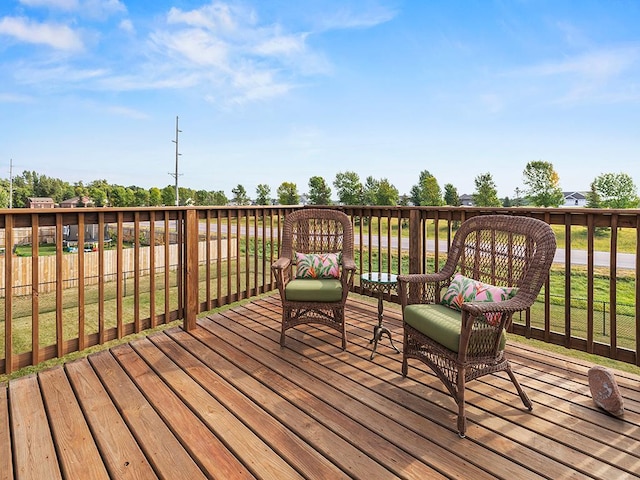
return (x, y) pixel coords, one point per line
(269, 91)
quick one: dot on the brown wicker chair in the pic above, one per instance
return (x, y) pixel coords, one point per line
(320, 301)
(499, 250)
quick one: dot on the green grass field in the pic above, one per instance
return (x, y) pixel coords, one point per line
(22, 315)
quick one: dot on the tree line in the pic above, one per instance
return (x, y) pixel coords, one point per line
(541, 182)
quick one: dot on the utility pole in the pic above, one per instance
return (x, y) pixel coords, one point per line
(176, 174)
(11, 183)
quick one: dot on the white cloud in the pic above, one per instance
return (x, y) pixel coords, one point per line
(601, 64)
(15, 98)
(102, 8)
(92, 8)
(57, 36)
(127, 112)
(222, 49)
(343, 17)
(572, 35)
(257, 85)
(227, 47)
(597, 76)
(159, 80)
(193, 45)
(248, 59)
(126, 25)
(54, 75)
(54, 4)
(492, 102)
(216, 16)
(282, 45)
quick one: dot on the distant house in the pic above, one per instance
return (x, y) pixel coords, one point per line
(76, 202)
(91, 236)
(466, 200)
(40, 202)
(575, 199)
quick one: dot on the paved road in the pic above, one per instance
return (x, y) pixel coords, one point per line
(578, 257)
(600, 259)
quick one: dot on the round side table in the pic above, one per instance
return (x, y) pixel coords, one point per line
(379, 283)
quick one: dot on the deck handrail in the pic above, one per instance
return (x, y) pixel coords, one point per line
(183, 261)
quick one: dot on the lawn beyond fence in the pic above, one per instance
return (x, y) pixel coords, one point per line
(586, 308)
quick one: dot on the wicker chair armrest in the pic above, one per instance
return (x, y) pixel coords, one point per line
(349, 264)
(347, 274)
(282, 272)
(281, 263)
(512, 305)
(421, 288)
(423, 277)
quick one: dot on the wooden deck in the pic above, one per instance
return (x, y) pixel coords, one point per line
(225, 401)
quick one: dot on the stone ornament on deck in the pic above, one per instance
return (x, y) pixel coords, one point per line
(604, 390)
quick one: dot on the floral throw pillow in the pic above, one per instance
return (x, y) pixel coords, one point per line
(463, 289)
(318, 265)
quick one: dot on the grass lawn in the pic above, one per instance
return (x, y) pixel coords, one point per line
(625, 291)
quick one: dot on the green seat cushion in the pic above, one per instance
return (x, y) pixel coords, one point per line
(439, 323)
(314, 290)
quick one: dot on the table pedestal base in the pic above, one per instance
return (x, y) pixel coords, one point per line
(378, 331)
(380, 283)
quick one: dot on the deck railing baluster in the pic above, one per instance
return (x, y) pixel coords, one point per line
(55, 304)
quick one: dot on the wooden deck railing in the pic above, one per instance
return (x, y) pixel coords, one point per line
(590, 301)
(157, 265)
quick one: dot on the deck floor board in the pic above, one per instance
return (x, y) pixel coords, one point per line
(226, 401)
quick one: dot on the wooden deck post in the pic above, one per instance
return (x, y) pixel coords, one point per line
(415, 242)
(191, 269)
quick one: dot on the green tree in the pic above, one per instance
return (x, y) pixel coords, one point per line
(263, 194)
(380, 192)
(319, 191)
(155, 197)
(4, 193)
(203, 198)
(288, 194)
(140, 196)
(32, 184)
(240, 195)
(121, 196)
(544, 184)
(349, 188)
(99, 192)
(370, 190)
(432, 192)
(451, 196)
(517, 200)
(426, 191)
(613, 190)
(169, 195)
(80, 191)
(593, 197)
(99, 196)
(48, 187)
(387, 193)
(219, 198)
(23, 189)
(486, 194)
(187, 195)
